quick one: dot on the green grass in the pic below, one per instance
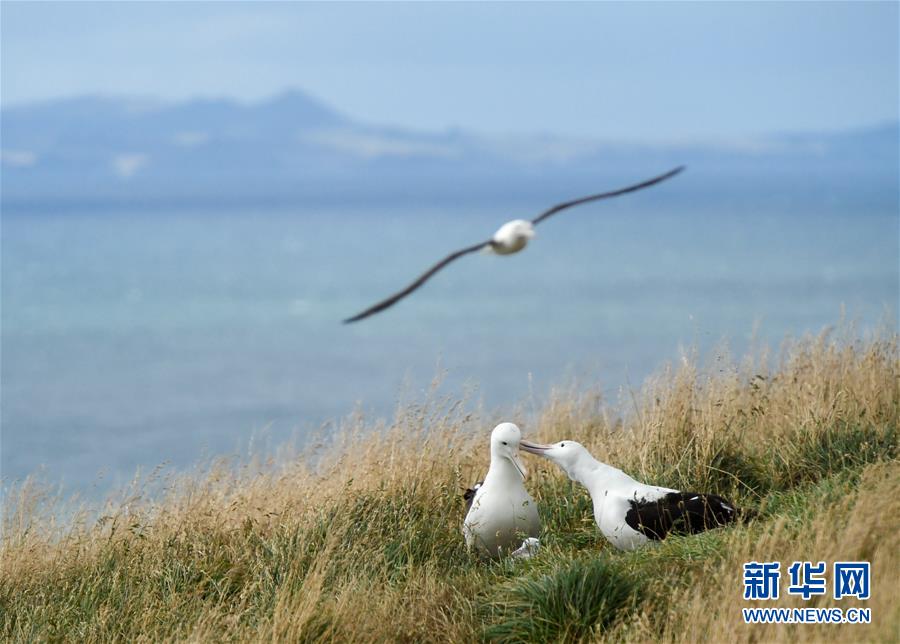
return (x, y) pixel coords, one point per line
(564, 603)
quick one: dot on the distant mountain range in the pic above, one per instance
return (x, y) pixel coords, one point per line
(293, 149)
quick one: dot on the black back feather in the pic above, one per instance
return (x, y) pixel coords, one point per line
(469, 494)
(680, 513)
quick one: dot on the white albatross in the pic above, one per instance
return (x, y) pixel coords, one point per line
(502, 517)
(510, 238)
(631, 514)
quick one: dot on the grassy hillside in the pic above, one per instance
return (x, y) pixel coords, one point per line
(366, 545)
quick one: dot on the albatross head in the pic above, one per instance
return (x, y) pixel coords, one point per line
(512, 237)
(505, 445)
(569, 455)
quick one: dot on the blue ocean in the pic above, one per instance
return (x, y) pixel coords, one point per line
(133, 339)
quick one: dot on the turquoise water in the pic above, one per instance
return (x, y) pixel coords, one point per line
(137, 338)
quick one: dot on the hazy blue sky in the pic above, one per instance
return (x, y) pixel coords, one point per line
(634, 71)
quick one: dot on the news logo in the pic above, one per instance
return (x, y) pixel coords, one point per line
(807, 579)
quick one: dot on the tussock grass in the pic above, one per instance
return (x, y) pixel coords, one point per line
(566, 603)
(362, 543)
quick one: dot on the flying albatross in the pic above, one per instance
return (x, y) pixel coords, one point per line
(502, 517)
(510, 238)
(631, 514)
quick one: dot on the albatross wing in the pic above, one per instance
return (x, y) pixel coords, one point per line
(606, 195)
(679, 513)
(469, 494)
(396, 297)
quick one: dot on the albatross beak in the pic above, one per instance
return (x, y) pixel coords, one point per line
(534, 448)
(514, 457)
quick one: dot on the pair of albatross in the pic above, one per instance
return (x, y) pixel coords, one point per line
(502, 517)
(510, 238)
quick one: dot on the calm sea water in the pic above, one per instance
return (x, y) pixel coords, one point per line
(136, 338)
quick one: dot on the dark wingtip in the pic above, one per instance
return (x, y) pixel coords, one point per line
(357, 317)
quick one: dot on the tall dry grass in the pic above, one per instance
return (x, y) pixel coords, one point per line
(364, 545)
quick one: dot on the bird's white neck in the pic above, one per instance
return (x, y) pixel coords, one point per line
(597, 476)
(502, 471)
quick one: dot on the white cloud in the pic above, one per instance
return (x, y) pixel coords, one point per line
(190, 139)
(373, 146)
(127, 165)
(18, 158)
(542, 149)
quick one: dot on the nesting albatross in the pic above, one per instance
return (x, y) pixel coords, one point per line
(631, 514)
(502, 517)
(510, 238)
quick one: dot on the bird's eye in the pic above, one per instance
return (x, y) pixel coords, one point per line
(562, 444)
(504, 442)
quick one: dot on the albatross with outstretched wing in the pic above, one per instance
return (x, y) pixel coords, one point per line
(510, 238)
